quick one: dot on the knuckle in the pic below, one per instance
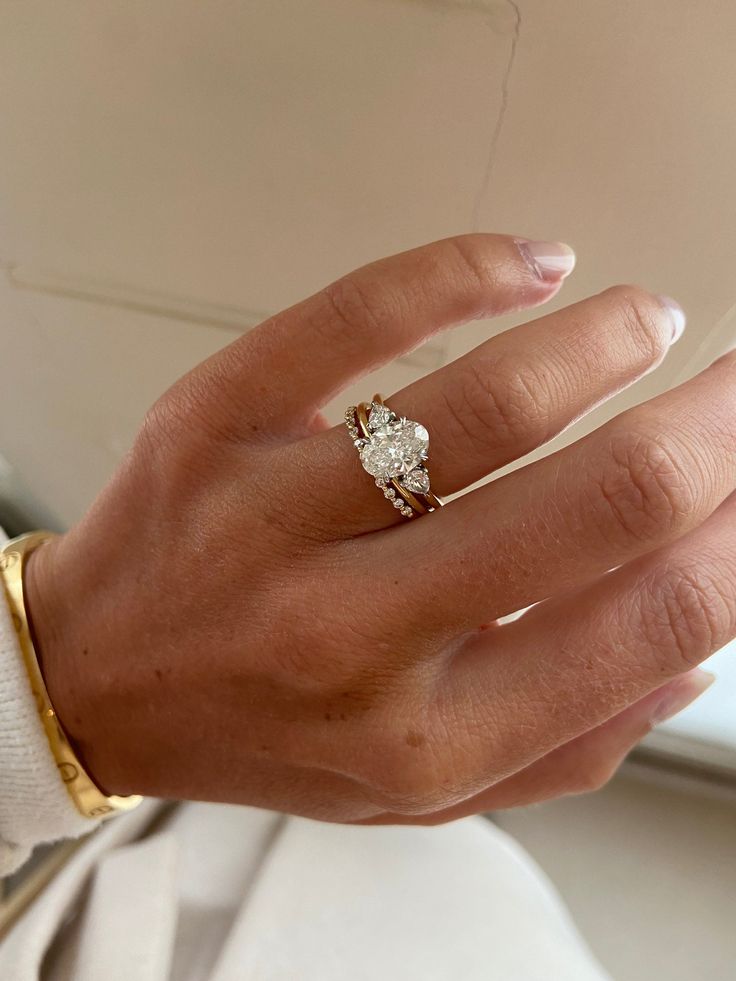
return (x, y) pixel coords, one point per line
(174, 459)
(161, 425)
(196, 408)
(646, 489)
(643, 319)
(415, 790)
(499, 405)
(181, 437)
(471, 255)
(687, 614)
(359, 306)
(416, 775)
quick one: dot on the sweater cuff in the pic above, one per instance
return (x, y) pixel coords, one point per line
(35, 806)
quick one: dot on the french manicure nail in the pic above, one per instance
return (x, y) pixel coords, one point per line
(677, 316)
(680, 694)
(551, 261)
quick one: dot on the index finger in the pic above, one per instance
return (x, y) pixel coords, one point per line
(304, 356)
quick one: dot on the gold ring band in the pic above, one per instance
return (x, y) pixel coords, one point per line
(393, 451)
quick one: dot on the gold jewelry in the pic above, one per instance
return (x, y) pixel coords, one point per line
(393, 450)
(88, 798)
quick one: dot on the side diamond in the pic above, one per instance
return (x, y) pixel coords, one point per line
(417, 480)
(380, 415)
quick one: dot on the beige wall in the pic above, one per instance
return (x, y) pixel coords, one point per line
(171, 169)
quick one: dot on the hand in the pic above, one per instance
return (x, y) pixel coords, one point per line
(242, 617)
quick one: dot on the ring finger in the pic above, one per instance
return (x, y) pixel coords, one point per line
(508, 396)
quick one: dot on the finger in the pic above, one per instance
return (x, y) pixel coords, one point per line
(282, 372)
(521, 388)
(507, 397)
(639, 482)
(582, 765)
(572, 663)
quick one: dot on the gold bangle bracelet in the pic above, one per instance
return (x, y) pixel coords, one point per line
(86, 795)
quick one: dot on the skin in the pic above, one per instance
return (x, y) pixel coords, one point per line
(242, 617)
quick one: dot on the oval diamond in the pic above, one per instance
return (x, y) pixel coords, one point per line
(394, 449)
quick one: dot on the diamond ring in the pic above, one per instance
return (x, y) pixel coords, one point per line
(393, 451)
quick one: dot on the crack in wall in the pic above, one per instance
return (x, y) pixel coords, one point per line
(483, 6)
(139, 300)
(500, 119)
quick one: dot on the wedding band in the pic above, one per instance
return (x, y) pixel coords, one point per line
(393, 450)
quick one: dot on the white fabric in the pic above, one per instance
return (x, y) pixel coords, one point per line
(34, 803)
(23, 949)
(258, 897)
(455, 902)
(146, 871)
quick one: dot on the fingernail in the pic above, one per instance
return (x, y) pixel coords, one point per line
(681, 693)
(677, 316)
(551, 261)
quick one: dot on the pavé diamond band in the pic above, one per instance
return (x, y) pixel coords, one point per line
(393, 450)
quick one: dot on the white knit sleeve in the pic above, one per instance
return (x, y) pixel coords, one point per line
(35, 806)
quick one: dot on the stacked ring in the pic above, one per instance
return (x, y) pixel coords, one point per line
(393, 450)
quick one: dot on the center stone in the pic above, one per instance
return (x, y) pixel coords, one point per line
(395, 449)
